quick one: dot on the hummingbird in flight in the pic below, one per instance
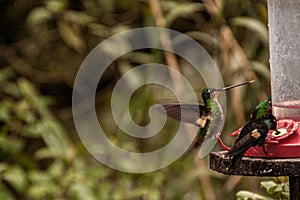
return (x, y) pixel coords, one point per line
(253, 133)
(208, 117)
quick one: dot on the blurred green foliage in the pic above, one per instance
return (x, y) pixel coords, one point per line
(276, 189)
(43, 44)
(38, 160)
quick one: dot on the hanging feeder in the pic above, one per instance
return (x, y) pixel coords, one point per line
(280, 155)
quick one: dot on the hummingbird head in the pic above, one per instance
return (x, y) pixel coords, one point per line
(271, 121)
(210, 93)
(213, 93)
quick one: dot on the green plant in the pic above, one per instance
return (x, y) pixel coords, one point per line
(276, 189)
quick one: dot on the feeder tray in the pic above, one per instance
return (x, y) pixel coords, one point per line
(280, 158)
(250, 166)
(286, 144)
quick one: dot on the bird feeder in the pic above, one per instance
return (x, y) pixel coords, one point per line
(282, 151)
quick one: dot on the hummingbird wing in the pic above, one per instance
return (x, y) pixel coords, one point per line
(189, 113)
(250, 126)
(238, 150)
(247, 128)
(241, 146)
(246, 140)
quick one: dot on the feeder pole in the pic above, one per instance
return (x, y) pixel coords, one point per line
(294, 187)
(284, 39)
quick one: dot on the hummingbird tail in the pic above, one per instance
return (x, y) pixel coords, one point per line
(234, 163)
(195, 145)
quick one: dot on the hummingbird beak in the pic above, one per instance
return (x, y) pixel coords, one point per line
(218, 91)
(236, 85)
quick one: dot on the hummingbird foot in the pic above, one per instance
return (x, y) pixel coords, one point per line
(255, 134)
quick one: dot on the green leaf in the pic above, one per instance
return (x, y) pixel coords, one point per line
(253, 25)
(6, 73)
(80, 191)
(205, 38)
(10, 88)
(54, 136)
(4, 194)
(182, 11)
(26, 88)
(39, 177)
(108, 5)
(16, 177)
(99, 29)
(24, 111)
(5, 111)
(32, 131)
(153, 194)
(78, 17)
(245, 195)
(261, 68)
(37, 191)
(99, 172)
(54, 141)
(16, 146)
(43, 191)
(56, 169)
(116, 5)
(70, 33)
(47, 152)
(137, 193)
(38, 16)
(105, 190)
(3, 167)
(286, 195)
(279, 188)
(269, 186)
(56, 6)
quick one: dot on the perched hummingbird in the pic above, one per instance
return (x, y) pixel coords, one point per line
(263, 108)
(209, 117)
(253, 133)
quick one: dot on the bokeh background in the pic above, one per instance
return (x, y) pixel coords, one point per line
(42, 45)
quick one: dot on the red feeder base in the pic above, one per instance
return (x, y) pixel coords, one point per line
(284, 145)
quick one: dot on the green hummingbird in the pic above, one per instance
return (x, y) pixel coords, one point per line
(263, 108)
(253, 133)
(209, 117)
